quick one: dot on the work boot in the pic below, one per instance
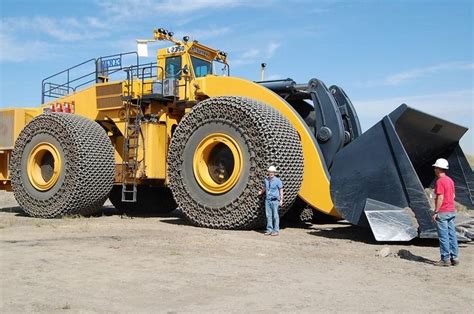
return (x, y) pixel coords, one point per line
(455, 261)
(442, 263)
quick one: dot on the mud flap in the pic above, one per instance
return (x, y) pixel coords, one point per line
(391, 164)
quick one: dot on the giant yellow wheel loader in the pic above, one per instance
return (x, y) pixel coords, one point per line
(178, 133)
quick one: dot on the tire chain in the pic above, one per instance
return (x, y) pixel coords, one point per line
(89, 166)
(300, 212)
(270, 138)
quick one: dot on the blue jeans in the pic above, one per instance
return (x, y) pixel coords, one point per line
(273, 219)
(448, 241)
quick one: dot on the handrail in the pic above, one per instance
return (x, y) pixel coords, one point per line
(98, 69)
(121, 55)
(59, 73)
(73, 67)
(151, 66)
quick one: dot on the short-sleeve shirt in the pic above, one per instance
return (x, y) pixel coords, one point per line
(272, 188)
(445, 186)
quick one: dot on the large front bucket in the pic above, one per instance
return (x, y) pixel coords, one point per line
(379, 179)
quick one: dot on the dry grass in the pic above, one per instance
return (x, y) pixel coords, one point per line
(470, 159)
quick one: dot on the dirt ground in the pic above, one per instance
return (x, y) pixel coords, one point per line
(161, 264)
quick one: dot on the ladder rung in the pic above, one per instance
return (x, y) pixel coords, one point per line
(131, 145)
(126, 192)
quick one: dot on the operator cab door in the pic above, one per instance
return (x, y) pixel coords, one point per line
(173, 74)
(173, 67)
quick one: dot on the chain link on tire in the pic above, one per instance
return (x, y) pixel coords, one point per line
(299, 213)
(88, 166)
(270, 140)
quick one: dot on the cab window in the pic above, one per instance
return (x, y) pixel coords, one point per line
(201, 67)
(173, 67)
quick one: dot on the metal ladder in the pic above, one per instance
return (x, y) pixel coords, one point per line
(130, 151)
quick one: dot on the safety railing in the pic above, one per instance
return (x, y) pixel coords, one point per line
(104, 67)
(80, 74)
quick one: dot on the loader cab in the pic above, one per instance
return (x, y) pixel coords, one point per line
(189, 60)
(174, 67)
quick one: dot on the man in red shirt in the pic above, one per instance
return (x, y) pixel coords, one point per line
(445, 214)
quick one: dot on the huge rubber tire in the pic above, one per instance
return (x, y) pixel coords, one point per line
(150, 200)
(83, 155)
(265, 138)
(299, 213)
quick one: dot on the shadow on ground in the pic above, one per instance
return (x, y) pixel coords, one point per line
(328, 228)
(409, 256)
(344, 231)
(15, 209)
(106, 211)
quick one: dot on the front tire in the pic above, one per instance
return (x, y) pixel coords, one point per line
(218, 159)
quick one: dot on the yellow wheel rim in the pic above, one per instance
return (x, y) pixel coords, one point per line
(44, 166)
(217, 163)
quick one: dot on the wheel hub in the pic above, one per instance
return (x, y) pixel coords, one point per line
(217, 163)
(44, 166)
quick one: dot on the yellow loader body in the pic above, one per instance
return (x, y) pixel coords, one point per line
(174, 133)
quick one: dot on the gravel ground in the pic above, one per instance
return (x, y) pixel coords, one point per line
(161, 264)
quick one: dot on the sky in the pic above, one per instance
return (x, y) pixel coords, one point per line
(383, 53)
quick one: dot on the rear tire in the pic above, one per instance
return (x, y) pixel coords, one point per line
(62, 164)
(256, 137)
(299, 213)
(150, 200)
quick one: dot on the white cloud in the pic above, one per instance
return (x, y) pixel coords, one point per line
(165, 8)
(254, 55)
(61, 29)
(251, 53)
(402, 77)
(202, 34)
(454, 106)
(115, 16)
(273, 77)
(454, 102)
(186, 6)
(272, 48)
(13, 50)
(34, 38)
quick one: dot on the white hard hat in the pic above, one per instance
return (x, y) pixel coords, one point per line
(441, 163)
(272, 169)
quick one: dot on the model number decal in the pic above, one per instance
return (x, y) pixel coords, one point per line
(175, 49)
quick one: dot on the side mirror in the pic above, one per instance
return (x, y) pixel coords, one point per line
(186, 70)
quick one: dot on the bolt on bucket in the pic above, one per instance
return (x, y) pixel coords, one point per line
(379, 179)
